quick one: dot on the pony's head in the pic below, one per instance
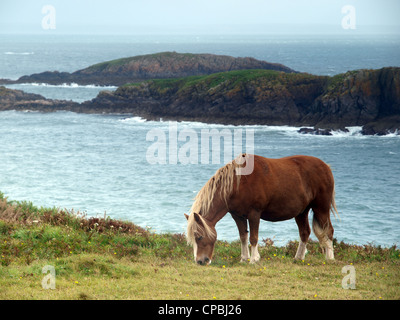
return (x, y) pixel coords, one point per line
(208, 201)
(202, 236)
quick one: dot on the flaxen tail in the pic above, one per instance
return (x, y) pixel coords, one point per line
(333, 206)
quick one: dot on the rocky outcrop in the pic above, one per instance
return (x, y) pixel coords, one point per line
(320, 131)
(162, 65)
(358, 98)
(369, 98)
(236, 97)
(18, 100)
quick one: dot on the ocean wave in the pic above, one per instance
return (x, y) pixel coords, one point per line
(133, 120)
(67, 85)
(352, 132)
(395, 134)
(18, 53)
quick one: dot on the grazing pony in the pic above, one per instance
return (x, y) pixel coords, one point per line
(274, 190)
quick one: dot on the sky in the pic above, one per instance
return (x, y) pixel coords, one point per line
(198, 16)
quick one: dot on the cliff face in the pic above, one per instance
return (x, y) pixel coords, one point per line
(152, 66)
(357, 98)
(369, 98)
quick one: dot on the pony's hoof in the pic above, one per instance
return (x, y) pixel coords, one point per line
(255, 260)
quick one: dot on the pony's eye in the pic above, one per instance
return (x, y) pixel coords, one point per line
(199, 238)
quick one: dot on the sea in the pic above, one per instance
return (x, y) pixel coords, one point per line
(148, 172)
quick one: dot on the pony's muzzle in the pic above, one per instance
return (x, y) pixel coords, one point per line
(204, 262)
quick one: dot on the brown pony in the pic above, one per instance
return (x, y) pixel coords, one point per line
(274, 190)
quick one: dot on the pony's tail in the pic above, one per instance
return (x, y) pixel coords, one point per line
(333, 206)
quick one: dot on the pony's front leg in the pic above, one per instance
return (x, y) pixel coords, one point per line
(244, 247)
(243, 233)
(254, 223)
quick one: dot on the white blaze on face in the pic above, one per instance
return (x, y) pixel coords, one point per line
(195, 250)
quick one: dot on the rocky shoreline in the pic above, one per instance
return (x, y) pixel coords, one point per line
(319, 104)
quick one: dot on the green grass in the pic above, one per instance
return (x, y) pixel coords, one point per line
(102, 258)
(213, 80)
(225, 81)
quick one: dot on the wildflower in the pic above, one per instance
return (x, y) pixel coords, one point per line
(223, 266)
(76, 282)
(315, 295)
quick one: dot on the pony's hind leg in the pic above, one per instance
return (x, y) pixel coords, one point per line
(243, 233)
(304, 231)
(323, 229)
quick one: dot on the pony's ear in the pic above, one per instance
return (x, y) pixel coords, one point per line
(198, 218)
(186, 216)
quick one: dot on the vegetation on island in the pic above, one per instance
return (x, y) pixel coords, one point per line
(104, 258)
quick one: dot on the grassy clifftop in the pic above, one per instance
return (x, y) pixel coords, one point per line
(103, 258)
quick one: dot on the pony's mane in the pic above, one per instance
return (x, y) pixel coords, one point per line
(223, 179)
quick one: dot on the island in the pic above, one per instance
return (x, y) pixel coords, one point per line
(163, 65)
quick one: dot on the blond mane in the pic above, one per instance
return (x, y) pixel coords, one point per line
(223, 179)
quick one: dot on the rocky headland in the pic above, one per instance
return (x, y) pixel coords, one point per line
(11, 99)
(367, 98)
